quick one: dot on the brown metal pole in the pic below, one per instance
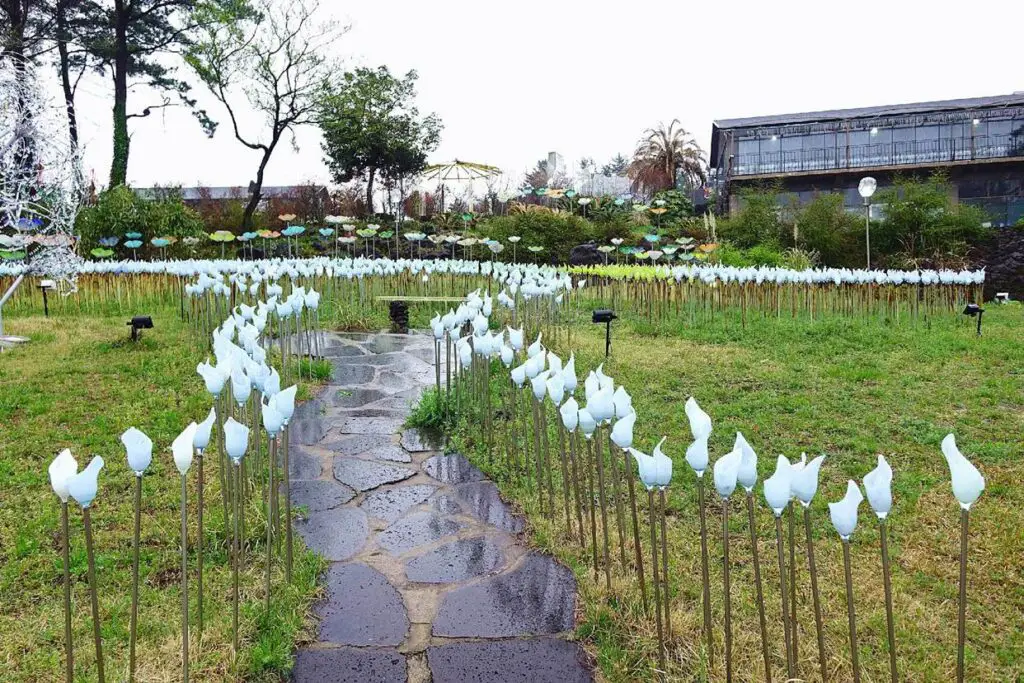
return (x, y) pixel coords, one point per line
(134, 619)
(200, 541)
(604, 510)
(68, 644)
(850, 611)
(814, 595)
(638, 550)
(94, 597)
(961, 626)
(780, 546)
(757, 583)
(657, 592)
(704, 571)
(887, 580)
(664, 568)
(184, 578)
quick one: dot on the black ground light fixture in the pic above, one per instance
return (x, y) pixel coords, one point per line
(45, 286)
(974, 310)
(140, 322)
(606, 316)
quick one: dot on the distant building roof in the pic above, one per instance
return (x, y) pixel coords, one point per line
(1014, 99)
(194, 194)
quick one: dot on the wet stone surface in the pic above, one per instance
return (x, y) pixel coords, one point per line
(392, 503)
(389, 343)
(349, 665)
(308, 410)
(420, 440)
(482, 500)
(363, 475)
(374, 412)
(336, 534)
(303, 465)
(415, 530)
(306, 432)
(452, 469)
(536, 598)
(370, 425)
(356, 398)
(361, 608)
(446, 504)
(351, 373)
(354, 444)
(389, 452)
(537, 660)
(320, 494)
(339, 350)
(456, 561)
(393, 381)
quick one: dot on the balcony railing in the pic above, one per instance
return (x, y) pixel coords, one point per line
(885, 154)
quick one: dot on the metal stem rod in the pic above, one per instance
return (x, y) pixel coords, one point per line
(780, 546)
(814, 596)
(757, 583)
(704, 571)
(850, 612)
(961, 626)
(887, 580)
(68, 644)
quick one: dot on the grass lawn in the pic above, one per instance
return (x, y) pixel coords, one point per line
(79, 384)
(850, 390)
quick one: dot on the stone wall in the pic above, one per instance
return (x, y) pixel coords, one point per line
(1003, 259)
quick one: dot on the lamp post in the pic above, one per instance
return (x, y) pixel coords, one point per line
(866, 188)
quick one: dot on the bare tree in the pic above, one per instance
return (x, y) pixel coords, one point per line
(276, 63)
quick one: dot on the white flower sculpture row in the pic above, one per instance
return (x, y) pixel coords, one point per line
(363, 267)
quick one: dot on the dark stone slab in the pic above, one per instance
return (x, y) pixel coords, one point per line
(336, 534)
(537, 598)
(349, 665)
(363, 475)
(356, 398)
(389, 452)
(308, 410)
(399, 361)
(340, 350)
(452, 469)
(394, 403)
(321, 494)
(303, 465)
(537, 660)
(400, 414)
(415, 530)
(447, 505)
(395, 382)
(370, 425)
(456, 561)
(354, 444)
(361, 608)
(306, 432)
(389, 343)
(482, 500)
(391, 504)
(420, 440)
(354, 374)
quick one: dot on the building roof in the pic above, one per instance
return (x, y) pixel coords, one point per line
(1014, 99)
(220, 193)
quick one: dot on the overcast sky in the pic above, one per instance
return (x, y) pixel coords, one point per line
(513, 81)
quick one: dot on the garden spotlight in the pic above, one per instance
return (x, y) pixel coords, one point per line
(140, 322)
(606, 316)
(974, 310)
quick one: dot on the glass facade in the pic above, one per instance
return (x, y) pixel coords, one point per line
(866, 143)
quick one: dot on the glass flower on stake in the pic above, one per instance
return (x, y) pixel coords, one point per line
(236, 441)
(746, 476)
(804, 485)
(725, 472)
(273, 421)
(61, 469)
(285, 404)
(182, 448)
(200, 441)
(967, 487)
(878, 486)
(650, 477)
(844, 519)
(777, 494)
(139, 449)
(697, 458)
(83, 487)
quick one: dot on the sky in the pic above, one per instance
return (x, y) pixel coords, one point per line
(513, 81)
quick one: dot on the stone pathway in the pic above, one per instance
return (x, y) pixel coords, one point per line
(428, 580)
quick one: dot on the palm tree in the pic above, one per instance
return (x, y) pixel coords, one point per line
(662, 155)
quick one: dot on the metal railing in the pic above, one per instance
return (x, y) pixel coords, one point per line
(881, 154)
